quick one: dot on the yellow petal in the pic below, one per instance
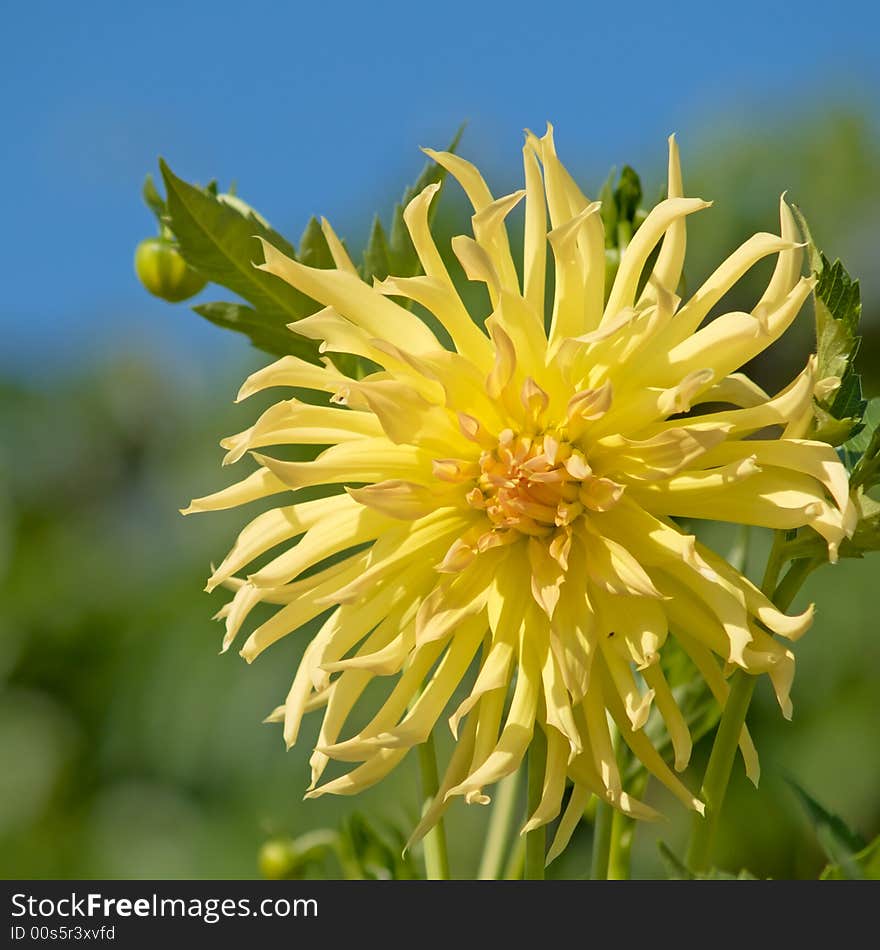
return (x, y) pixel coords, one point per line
(337, 249)
(658, 457)
(297, 423)
(708, 667)
(271, 528)
(517, 732)
(553, 785)
(571, 818)
(305, 608)
(534, 241)
(670, 260)
(423, 540)
(612, 568)
(788, 264)
(490, 233)
(444, 303)
(404, 500)
(661, 217)
(352, 298)
(647, 754)
(455, 772)
(366, 460)
(259, 484)
(736, 389)
(723, 278)
(345, 524)
(672, 716)
(292, 371)
(559, 714)
(604, 756)
(363, 777)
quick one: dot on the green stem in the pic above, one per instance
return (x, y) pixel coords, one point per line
(718, 771)
(623, 830)
(436, 855)
(513, 870)
(621, 845)
(500, 824)
(536, 841)
(602, 830)
(742, 685)
(799, 571)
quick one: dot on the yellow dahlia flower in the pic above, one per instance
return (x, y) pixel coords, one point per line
(510, 490)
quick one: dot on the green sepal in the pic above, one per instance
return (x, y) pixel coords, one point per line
(153, 200)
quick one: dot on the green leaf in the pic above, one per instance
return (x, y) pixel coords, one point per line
(838, 842)
(858, 444)
(866, 861)
(862, 452)
(264, 334)
(217, 234)
(838, 306)
(217, 237)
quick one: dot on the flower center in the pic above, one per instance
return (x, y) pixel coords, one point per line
(535, 484)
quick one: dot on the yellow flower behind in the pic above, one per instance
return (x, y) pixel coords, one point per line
(507, 518)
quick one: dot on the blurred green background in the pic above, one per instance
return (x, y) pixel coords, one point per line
(131, 749)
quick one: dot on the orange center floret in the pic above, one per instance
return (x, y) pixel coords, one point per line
(536, 484)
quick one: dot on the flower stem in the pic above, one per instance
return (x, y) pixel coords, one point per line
(498, 834)
(436, 856)
(536, 841)
(719, 768)
(623, 832)
(621, 846)
(799, 571)
(513, 870)
(742, 685)
(602, 828)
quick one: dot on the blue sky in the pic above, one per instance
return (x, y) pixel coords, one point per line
(319, 108)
